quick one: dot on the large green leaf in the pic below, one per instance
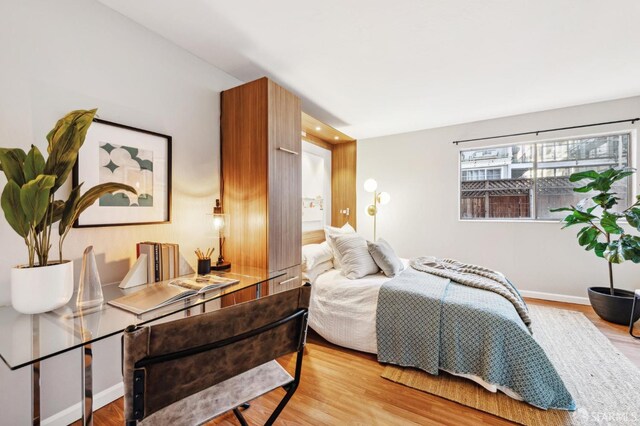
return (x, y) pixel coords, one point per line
(13, 209)
(587, 188)
(626, 248)
(620, 174)
(599, 249)
(34, 198)
(65, 140)
(632, 248)
(589, 174)
(33, 164)
(602, 184)
(614, 252)
(12, 161)
(53, 215)
(68, 216)
(633, 217)
(77, 118)
(562, 209)
(92, 195)
(605, 200)
(577, 217)
(609, 223)
(588, 236)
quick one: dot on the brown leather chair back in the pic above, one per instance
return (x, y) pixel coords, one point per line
(165, 363)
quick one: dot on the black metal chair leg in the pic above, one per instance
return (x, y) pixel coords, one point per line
(633, 311)
(240, 417)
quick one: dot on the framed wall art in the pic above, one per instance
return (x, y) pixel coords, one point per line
(140, 158)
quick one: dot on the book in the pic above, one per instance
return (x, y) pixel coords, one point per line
(156, 264)
(147, 248)
(167, 292)
(164, 262)
(163, 258)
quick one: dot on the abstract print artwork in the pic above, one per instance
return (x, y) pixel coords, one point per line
(139, 158)
(130, 166)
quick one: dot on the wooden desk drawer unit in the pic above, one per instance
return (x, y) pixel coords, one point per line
(290, 280)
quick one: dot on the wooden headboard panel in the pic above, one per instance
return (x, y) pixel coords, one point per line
(312, 237)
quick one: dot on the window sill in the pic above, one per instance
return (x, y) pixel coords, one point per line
(497, 220)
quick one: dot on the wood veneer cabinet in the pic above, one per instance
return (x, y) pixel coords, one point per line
(261, 180)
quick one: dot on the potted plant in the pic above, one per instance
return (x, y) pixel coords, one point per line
(602, 234)
(29, 205)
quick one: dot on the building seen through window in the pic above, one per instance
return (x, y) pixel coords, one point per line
(524, 181)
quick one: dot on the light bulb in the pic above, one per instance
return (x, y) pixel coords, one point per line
(218, 223)
(384, 198)
(370, 185)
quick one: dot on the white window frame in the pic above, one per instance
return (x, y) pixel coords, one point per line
(633, 162)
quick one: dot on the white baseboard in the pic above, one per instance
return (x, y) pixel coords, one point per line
(73, 413)
(555, 297)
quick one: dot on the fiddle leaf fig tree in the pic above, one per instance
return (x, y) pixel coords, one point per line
(28, 199)
(601, 225)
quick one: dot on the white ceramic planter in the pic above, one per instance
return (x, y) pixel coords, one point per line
(41, 289)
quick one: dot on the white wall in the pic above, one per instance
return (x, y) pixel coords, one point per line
(420, 171)
(56, 56)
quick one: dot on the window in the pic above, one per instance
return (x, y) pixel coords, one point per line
(525, 181)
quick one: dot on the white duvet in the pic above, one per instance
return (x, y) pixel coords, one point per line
(343, 311)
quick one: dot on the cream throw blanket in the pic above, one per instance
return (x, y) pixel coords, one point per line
(474, 276)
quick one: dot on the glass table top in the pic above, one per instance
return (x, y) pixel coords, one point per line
(26, 339)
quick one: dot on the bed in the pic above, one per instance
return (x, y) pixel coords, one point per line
(344, 312)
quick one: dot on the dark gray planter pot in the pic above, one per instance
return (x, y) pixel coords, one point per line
(614, 308)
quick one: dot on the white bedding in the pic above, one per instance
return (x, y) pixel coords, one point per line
(343, 311)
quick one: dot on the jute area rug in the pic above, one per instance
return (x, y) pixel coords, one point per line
(603, 382)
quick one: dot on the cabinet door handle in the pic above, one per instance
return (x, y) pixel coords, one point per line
(287, 150)
(288, 281)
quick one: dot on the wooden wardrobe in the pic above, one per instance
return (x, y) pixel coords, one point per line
(261, 181)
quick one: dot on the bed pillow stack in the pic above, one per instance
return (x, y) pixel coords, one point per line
(316, 259)
(352, 251)
(385, 257)
(331, 231)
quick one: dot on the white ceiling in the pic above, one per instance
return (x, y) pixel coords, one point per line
(376, 67)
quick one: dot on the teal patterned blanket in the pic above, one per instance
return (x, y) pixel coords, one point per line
(433, 323)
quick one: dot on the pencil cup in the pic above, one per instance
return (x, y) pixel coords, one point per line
(204, 266)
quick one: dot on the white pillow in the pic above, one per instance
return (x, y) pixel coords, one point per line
(333, 231)
(354, 254)
(315, 254)
(312, 274)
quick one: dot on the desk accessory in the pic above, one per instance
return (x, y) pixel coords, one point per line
(167, 292)
(138, 274)
(220, 224)
(204, 261)
(90, 287)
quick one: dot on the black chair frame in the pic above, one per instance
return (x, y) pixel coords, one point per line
(633, 311)
(300, 315)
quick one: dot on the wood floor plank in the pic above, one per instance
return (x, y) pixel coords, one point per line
(343, 387)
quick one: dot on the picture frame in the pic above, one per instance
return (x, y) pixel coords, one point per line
(114, 152)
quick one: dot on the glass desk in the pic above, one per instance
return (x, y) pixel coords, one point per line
(25, 340)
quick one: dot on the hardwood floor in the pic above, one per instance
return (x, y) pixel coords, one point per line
(344, 387)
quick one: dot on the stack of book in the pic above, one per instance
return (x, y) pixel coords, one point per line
(163, 260)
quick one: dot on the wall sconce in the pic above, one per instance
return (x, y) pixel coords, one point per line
(381, 198)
